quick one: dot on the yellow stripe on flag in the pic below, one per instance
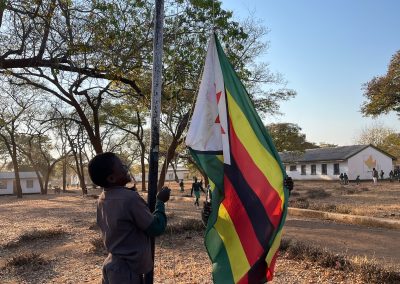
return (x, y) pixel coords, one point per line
(233, 246)
(274, 248)
(261, 156)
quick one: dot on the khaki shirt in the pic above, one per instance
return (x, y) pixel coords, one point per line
(122, 216)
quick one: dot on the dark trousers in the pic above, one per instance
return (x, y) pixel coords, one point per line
(117, 271)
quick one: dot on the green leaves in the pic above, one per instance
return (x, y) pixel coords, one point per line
(383, 93)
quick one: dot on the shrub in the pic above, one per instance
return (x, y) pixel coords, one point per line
(98, 245)
(301, 203)
(317, 193)
(36, 235)
(369, 270)
(186, 225)
(23, 259)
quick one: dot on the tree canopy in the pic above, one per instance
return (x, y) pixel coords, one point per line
(383, 92)
(92, 62)
(288, 137)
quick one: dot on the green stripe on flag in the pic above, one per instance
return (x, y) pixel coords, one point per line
(222, 272)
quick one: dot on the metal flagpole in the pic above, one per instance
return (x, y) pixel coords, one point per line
(155, 116)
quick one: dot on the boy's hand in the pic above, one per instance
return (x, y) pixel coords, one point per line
(288, 182)
(164, 194)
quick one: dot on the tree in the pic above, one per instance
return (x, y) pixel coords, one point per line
(288, 137)
(383, 92)
(14, 110)
(375, 134)
(326, 145)
(67, 36)
(391, 145)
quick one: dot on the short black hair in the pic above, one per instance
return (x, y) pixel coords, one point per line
(100, 167)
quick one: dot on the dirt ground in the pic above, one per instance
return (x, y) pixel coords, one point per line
(73, 255)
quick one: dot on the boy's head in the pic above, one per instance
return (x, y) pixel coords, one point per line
(106, 170)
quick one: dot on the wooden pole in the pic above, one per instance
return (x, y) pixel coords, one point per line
(155, 116)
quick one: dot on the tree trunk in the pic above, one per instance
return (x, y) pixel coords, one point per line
(64, 175)
(170, 154)
(143, 166)
(18, 188)
(176, 141)
(40, 181)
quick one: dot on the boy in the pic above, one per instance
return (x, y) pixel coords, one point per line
(125, 221)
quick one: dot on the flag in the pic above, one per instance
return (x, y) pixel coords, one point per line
(229, 142)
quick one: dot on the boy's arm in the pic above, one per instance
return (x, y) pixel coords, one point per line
(159, 223)
(157, 227)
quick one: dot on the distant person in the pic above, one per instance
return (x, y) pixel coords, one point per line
(182, 185)
(375, 176)
(125, 221)
(196, 187)
(358, 180)
(341, 177)
(391, 175)
(382, 173)
(345, 178)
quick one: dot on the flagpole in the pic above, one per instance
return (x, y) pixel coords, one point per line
(155, 117)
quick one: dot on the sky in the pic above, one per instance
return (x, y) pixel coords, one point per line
(326, 50)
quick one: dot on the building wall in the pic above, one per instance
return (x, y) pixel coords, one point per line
(8, 187)
(25, 189)
(35, 186)
(363, 163)
(318, 174)
(170, 176)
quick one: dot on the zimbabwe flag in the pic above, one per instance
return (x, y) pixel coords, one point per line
(249, 203)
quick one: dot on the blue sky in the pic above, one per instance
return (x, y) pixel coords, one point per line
(326, 50)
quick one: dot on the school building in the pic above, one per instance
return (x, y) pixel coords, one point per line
(328, 163)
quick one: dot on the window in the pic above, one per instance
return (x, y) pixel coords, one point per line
(313, 169)
(3, 184)
(303, 170)
(293, 168)
(336, 170)
(29, 183)
(323, 169)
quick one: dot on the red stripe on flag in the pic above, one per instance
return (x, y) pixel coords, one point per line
(256, 179)
(242, 223)
(271, 268)
(244, 279)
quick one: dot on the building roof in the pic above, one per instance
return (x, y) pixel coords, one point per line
(11, 175)
(341, 153)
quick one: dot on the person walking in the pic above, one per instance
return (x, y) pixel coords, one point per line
(345, 178)
(375, 176)
(341, 177)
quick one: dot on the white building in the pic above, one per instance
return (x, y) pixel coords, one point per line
(328, 163)
(181, 172)
(29, 183)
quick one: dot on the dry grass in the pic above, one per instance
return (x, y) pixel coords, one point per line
(185, 225)
(369, 269)
(76, 255)
(25, 259)
(317, 193)
(34, 235)
(382, 201)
